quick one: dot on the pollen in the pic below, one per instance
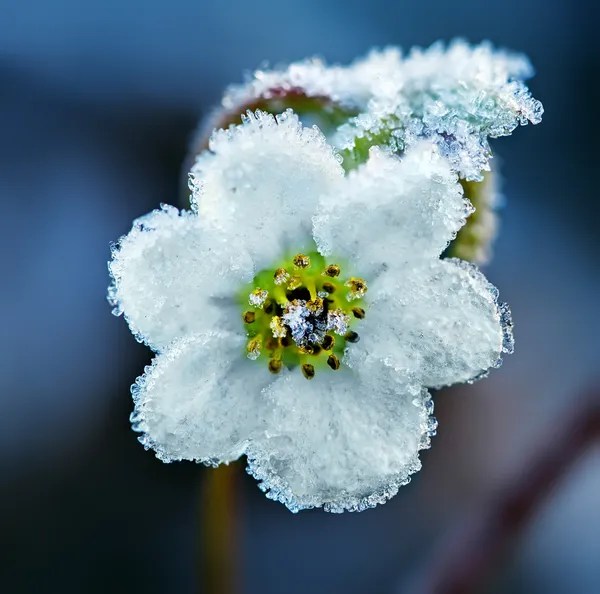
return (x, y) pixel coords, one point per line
(294, 283)
(249, 317)
(253, 349)
(357, 286)
(301, 261)
(277, 327)
(332, 270)
(258, 297)
(281, 276)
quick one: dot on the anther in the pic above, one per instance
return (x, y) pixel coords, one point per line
(277, 327)
(332, 270)
(258, 297)
(269, 306)
(315, 305)
(275, 366)
(249, 317)
(301, 261)
(328, 288)
(271, 343)
(358, 312)
(281, 276)
(352, 336)
(357, 286)
(294, 282)
(328, 342)
(333, 362)
(308, 371)
(253, 348)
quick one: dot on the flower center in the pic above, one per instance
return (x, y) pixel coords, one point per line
(301, 314)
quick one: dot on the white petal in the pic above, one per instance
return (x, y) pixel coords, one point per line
(391, 211)
(439, 324)
(172, 277)
(260, 182)
(342, 440)
(200, 400)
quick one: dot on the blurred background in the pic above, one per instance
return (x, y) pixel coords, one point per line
(98, 102)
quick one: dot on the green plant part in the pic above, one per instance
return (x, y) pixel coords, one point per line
(300, 314)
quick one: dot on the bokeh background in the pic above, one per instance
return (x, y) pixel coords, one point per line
(98, 101)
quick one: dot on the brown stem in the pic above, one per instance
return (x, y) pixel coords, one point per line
(218, 551)
(465, 560)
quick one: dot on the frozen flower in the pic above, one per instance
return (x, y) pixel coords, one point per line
(300, 314)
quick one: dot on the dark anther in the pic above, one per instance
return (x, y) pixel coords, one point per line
(249, 317)
(316, 349)
(328, 342)
(275, 365)
(328, 288)
(269, 306)
(271, 343)
(299, 293)
(308, 371)
(352, 336)
(301, 261)
(333, 270)
(333, 362)
(358, 312)
(286, 341)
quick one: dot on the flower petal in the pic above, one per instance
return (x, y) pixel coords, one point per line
(392, 211)
(344, 441)
(439, 324)
(169, 273)
(260, 182)
(200, 400)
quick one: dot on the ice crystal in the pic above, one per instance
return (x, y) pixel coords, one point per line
(350, 437)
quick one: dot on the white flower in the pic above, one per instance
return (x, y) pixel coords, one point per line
(322, 382)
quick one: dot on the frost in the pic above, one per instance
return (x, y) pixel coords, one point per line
(350, 437)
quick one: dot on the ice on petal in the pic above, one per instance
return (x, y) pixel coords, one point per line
(173, 276)
(457, 96)
(439, 324)
(391, 211)
(260, 181)
(343, 441)
(201, 400)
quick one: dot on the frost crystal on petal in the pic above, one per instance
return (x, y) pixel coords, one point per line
(200, 400)
(260, 181)
(347, 442)
(161, 271)
(390, 211)
(457, 96)
(439, 323)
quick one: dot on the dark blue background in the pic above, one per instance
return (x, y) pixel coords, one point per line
(97, 104)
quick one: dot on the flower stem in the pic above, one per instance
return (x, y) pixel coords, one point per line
(218, 513)
(466, 559)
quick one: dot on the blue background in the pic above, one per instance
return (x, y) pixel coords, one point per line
(97, 104)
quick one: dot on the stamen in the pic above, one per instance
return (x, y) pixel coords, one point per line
(308, 371)
(338, 321)
(332, 270)
(301, 261)
(358, 287)
(258, 297)
(269, 307)
(249, 317)
(277, 327)
(315, 306)
(272, 343)
(281, 276)
(328, 288)
(253, 348)
(352, 336)
(358, 312)
(328, 342)
(275, 366)
(333, 362)
(294, 282)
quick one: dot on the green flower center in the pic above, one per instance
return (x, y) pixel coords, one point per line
(300, 314)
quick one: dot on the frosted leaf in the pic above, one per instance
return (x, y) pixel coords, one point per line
(260, 181)
(169, 275)
(390, 211)
(439, 323)
(344, 441)
(200, 400)
(456, 96)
